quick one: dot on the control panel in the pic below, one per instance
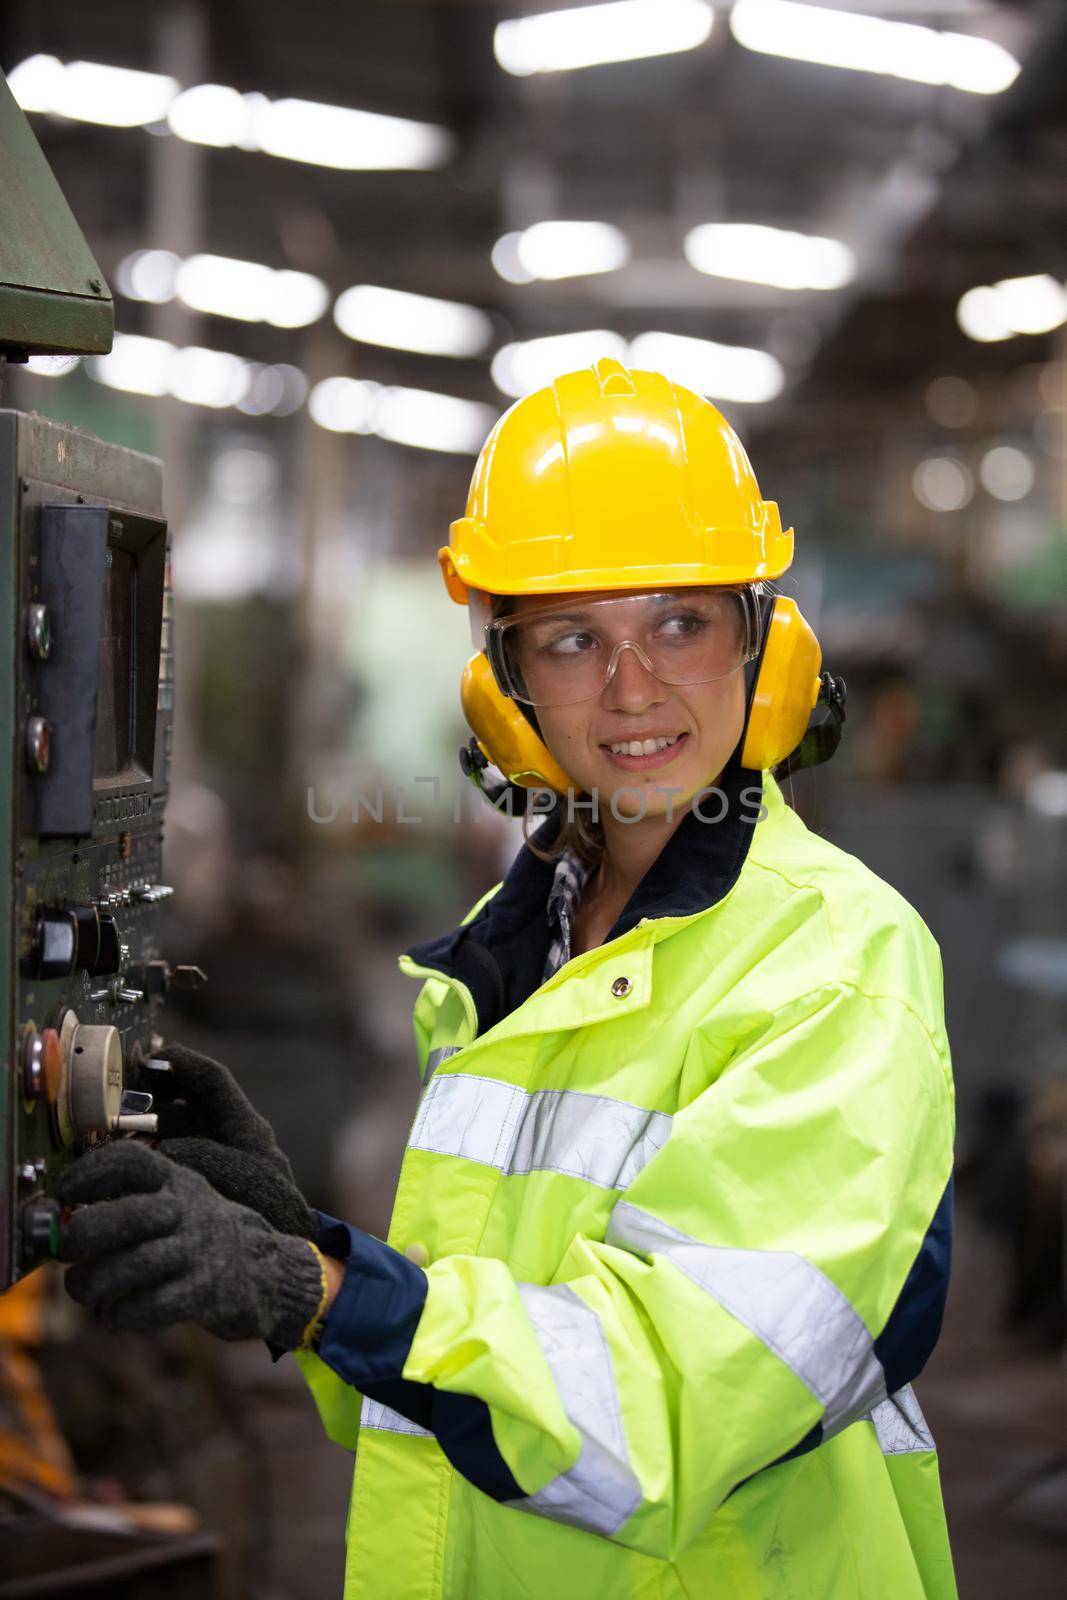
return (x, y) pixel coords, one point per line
(86, 725)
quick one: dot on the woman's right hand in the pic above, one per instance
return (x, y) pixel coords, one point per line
(248, 1179)
(200, 1098)
(207, 1122)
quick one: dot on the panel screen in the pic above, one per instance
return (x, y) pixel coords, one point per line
(116, 731)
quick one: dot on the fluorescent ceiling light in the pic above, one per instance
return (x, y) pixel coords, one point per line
(560, 250)
(214, 114)
(274, 390)
(721, 371)
(979, 315)
(199, 377)
(336, 136)
(759, 254)
(588, 36)
(404, 416)
(224, 287)
(343, 405)
(433, 421)
(412, 321)
(136, 364)
(872, 44)
(505, 259)
(148, 275)
(250, 291)
(1034, 304)
(87, 91)
(207, 377)
(519, 368)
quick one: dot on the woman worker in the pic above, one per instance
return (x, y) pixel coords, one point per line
(670, 1240)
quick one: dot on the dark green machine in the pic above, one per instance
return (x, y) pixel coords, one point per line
(85, 728)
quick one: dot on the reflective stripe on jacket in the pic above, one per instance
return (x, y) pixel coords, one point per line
(684, 1211)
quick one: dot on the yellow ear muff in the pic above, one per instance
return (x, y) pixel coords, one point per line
(786, 688)
(504, 734)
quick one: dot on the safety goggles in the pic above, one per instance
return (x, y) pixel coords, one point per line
(558, 655)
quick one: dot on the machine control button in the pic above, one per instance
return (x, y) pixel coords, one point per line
(38, 744)
(38, 631)
(55, 944)
(38, 1231)
(42, 1065)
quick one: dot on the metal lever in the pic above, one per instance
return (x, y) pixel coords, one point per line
(135, 1114)
(117, 996)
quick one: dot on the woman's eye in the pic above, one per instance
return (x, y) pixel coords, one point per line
(683, 625)
(570, 644)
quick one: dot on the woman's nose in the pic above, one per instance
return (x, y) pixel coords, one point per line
(631, 686)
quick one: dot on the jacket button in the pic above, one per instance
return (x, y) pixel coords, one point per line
(418, 1253)
(621, 988)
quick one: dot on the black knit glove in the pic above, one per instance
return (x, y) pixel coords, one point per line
(207, 1123)
(200, 1098)
(153, 1244)
(250, 1180)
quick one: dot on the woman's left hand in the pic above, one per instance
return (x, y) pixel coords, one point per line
(151, 1244)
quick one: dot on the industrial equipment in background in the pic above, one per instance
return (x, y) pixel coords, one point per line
(85, 721)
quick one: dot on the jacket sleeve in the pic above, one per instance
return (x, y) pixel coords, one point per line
(766, 1279)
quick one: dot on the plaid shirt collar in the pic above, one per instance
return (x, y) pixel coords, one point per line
(568, 881)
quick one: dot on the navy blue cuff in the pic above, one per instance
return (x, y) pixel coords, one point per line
(333, 1238)
(369, 1329)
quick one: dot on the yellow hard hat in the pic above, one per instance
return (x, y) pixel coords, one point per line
(612, 479)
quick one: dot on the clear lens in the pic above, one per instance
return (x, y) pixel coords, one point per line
(559, 655)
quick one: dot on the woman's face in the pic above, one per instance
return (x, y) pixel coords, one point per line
(703, 720)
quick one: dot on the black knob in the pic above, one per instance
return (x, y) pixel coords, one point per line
(38, 1231)
(109, 958)
(98, 941)
(55, 943)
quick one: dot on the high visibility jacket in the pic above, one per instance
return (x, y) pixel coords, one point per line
(670, 1243)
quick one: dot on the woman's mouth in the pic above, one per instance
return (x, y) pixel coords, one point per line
(638, 755)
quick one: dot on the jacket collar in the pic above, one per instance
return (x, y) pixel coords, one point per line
(500, 954)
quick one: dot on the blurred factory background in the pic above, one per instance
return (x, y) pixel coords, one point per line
(341, 239)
